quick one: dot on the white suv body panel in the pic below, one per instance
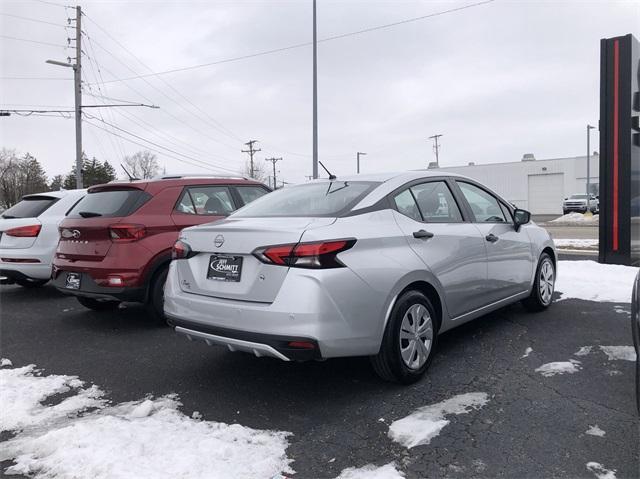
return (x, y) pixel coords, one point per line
(41, 247)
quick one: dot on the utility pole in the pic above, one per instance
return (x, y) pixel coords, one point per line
(251, 152)
(274, 161)
(77, 80)
(358, 154)
(77, 86)
(436, 147)
(315, 95)
(589, 128)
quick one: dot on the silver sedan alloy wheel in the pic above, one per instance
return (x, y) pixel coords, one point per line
(416, 336)
(546, 281)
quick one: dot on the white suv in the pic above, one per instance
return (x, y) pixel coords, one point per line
(29, 236)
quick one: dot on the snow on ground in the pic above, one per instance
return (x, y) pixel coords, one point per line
(5, 362)
(621, 310)
(583, 351)
(600, 471)
(149, 438)
(624, 353)
(593, 281)
(564, 243)
(23, 389)
(426, 422)
(595, 431)
(527, 352)
(559, 367)
(370, 471)
(576, 219)
(614, 353)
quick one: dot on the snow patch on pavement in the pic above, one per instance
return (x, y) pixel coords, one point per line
(576, 219)
(149, 438)
(614, 353)
(527, 352)
(5, 362)
(564, 243)
(600, 471)
(559, 367)
(370, 471)
(426, 422)
(622, 353)
(583, 351)
(595, 431)
(593, 281)
(23, 390)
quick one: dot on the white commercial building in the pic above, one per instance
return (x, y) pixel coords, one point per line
(539, 186)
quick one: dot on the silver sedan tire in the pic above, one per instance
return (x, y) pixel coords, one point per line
(409, 340)
(543, 286)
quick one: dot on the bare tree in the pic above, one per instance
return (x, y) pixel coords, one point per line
(143, 164)
(259, 171)
(19, 176)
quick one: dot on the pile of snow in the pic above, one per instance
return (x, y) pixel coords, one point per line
(614, 353)
(595, 431)
(594, 281)
(559, 367)
(583, 351)
(527, 352)
(426, 423)
(150, 438)
(23, 390)
(623, 353)
(564, 243)
(600, 471)
(576, 219)
(370, 471)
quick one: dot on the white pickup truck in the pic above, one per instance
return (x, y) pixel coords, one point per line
(578, 202)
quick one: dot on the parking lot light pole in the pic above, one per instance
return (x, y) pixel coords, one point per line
(358, 155)
(589, 128)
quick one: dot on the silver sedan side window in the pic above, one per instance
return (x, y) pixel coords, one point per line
(406, 204)
(485, 206)
(436, 202)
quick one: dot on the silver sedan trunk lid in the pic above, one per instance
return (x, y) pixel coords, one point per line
(227, 245)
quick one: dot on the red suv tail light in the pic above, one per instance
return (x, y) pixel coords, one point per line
(121, 233)
(317, 255)
(30, 231)
(181, 250)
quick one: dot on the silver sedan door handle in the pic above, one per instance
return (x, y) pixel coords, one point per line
(422, 234)
(491, 238)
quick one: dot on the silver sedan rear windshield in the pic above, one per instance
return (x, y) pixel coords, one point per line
(331, 198)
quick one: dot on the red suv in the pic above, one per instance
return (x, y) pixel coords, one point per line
(115, 244)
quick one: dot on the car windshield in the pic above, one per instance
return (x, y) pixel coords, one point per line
(578, 197)
(329, 198)
(30, 207)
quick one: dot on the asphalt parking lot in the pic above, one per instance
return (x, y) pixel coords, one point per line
(339, 412)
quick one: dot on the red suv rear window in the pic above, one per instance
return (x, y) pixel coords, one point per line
(109, 203)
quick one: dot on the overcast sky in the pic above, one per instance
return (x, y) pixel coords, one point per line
(497, 80)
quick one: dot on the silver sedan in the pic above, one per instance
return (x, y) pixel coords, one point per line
(375, 265)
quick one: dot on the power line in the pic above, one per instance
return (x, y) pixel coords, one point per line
(161, 152)
(29, 19)
(158, 145)
(32, 41)
(216, 124)
(304, 44)
(36, 78)
(52, 3)
(179, 104)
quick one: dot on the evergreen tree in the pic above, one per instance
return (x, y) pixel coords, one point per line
(56, 183)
